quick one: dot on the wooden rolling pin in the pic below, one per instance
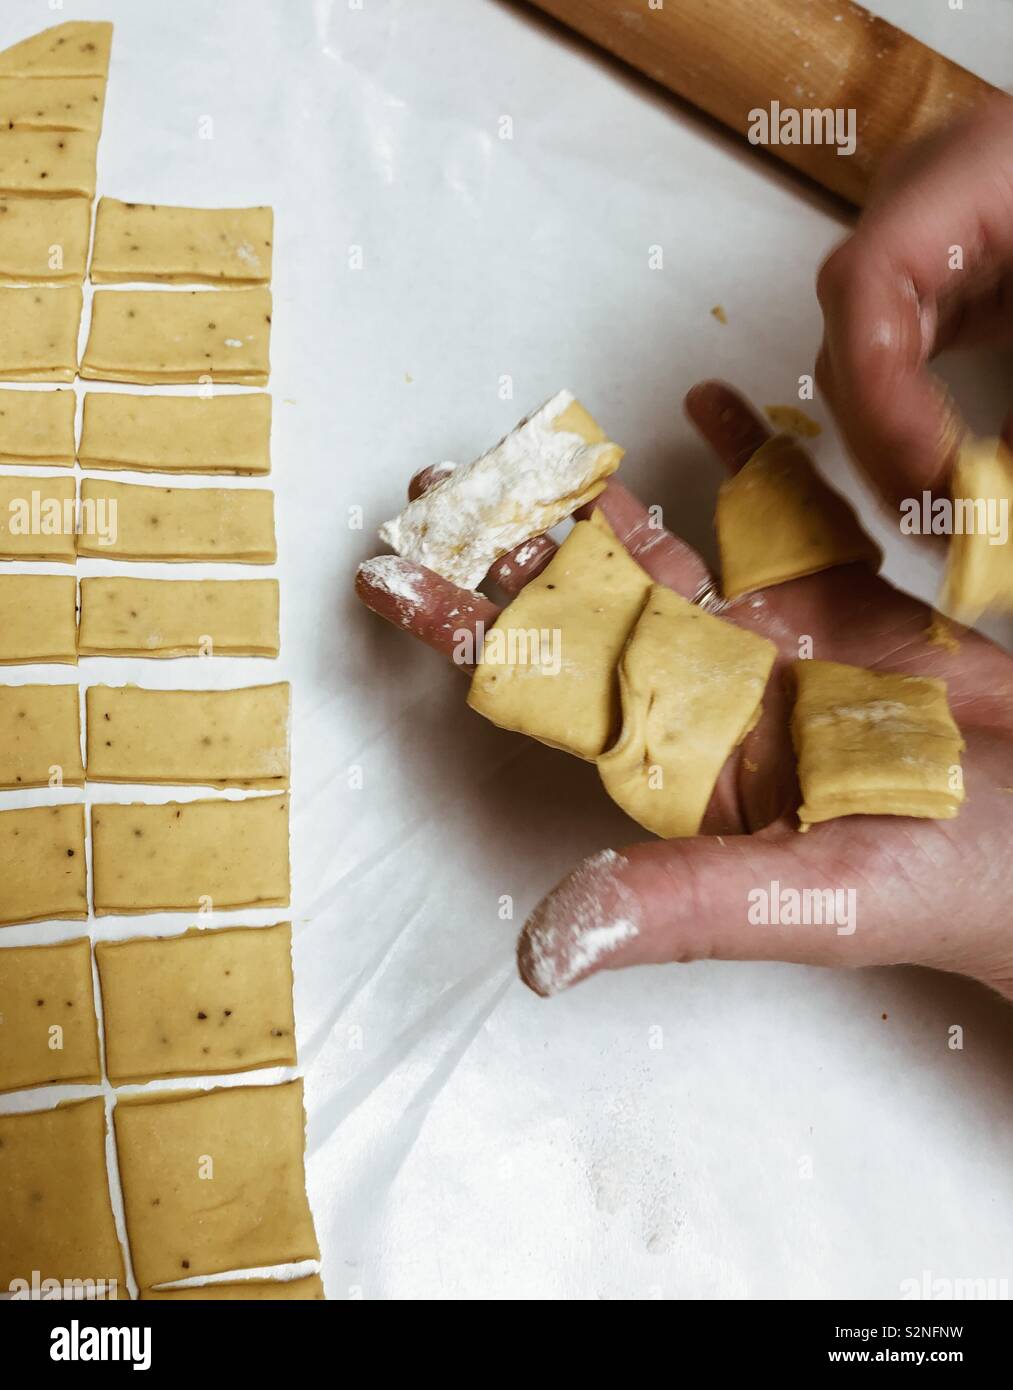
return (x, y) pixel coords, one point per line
(736, 57)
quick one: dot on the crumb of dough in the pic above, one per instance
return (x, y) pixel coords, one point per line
(718, 313)
(791, 420)
(940, 633)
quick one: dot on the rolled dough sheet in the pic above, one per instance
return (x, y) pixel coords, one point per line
(177, 434)
(777, 520)
(200, 1004)
(207, 738)
(52, 103)
(38, 619)
(164, 336)
(142, 242)
(37, 518)
(189, 856)
(37, 427)
(76, 49)
(179, 617)
(42, 866)
(310, 1287)
(58, 1218)
(214, 1181)
(48, 163)
(48, 1029)
(169, 524)
(44, 240)
(692, 687)
(580, 610)
(874, 744)
(38, 333)
(41, 735)
(979, 574)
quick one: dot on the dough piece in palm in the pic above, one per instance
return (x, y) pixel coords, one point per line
(38, 518)
(548, 664)
(306, 1289)
(777, 520)
(79, 48)
(171, 524)
(178, 617)
(52, 103)
(44, 240)
(38, 619)
(38, 334)
(177, 434)
(37, 427)
(142, 242)
(41, 735)
(48, 1030)
(692, 687)
(874, 744)
(979, 572)
(48, 163)
(42, 865)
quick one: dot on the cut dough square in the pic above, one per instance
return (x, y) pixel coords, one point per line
(58, 1218)
(165, 336)
(44, 240)
(209, 738)
(42, 866)
(38, 517)
(979, 572)
(52, 103)
(41, 733)
(48, 1029)
(189, 856)
(38, 333)
(48, 163)
(203, 1003)
(168, 524)
(38, 619)
(177, 434)
(874, 744)
(37, 427)
(179, 617)
(692, 687)
(142, 242)
(548, 664)
(310, 1287)
(214, 1181)
(79, 48)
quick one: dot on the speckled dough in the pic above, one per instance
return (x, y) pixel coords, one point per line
(979, 573)
(44, 241)
(52, 103)
(48, 1029)
(38, 618)
(167, 524)
(48, 163)
(37, 518)
(179, 617)
(37, 427)
(309, 1288)
(141, 242)
(42, 865)
(41, 731)
(177, 434)
(79, 48)
(38, 333)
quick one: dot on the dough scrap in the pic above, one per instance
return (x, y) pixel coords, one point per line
(788, 419)
(208, 738)
(200, 1004)
(692, 687)
(164, 336)
(48, 1028)
(38, 333)
(48, 163)
(170, 524)
(874, 744)
(979, 574)
(38, 619)
(37, 427)
(79, 48)
(179, 617)
(309, 1287)
(580, 609)
(177, 434)
(52, 103)
(185, 856)
(777, 520)
(41, 727)
(37, 518)
(245, 1209)
(32, 230)
(42, 865)
(143, 242)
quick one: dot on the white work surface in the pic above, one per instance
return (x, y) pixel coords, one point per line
(714, 1130)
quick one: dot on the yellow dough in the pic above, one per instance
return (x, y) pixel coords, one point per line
(691, 687)
(42, 866)
(58, 1219)
(38, 333)
(214, 1181)
(177, 434)
(44, 241)
(178, 524)
(40, 731)
(79, 48)
(185, 856)
(37, 427)
(980, 571)
(48, 1029)
(38, 618)
(777, 520)
(209, 738)
(164, 336)
(141, 242)
(48, 163)
(37, 518)
(580, 609)
(874, 744)
(310, 1287)
(52, 103)
(179, 617)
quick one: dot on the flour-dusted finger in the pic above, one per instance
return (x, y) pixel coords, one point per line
(446, 617)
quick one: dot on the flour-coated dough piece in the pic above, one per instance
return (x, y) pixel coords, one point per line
(979, 572)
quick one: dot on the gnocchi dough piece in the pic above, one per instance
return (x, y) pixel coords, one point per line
(38, 619)
(37, 427)
(38, 333)
(874, 744)
(44, 241)
(52, 103)
(41, 735)
(308, 1288)
(979, 572)
(42, 866)
(79, 48)
(142, 242)
(171, 524)
(38, 517)
(179, 617)
(48, 1029)
(177, 434)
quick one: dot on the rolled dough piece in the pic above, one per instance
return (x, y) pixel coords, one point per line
(37, 427)
(48, 1029)
(177, 434)
(310, 1287)
(164, 336)
(209, 738)
(79, 48)
(48, 163)
(142, 242)
(42, 866)
(41, 727)
(179, 617)
(692, 688)
(37, 518)
(44, 240)
(874, 744)
(979, 573)
(200, 1004)
(38, 619)
(52, 103)
(578, 613)
(38, 333)
(214, 1181)
(190, 855)
(777, 520)
(551, 464)
(58, 1219)
(168, 524)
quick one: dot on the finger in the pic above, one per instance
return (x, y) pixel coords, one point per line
(421, 602)
(520, 565)
(727, 422)
(667, 558)
(428, 477)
